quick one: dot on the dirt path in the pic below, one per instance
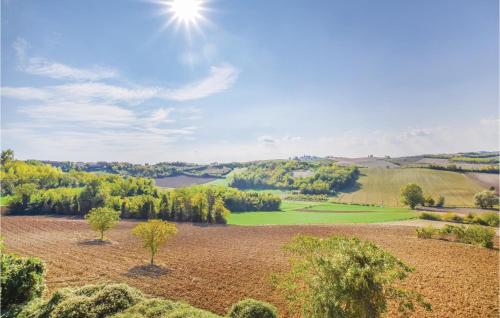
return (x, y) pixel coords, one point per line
(214, 266)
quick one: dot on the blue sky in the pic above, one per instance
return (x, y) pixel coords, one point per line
(105, 80)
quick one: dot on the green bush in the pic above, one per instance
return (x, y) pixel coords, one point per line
(490, 218)
(251, 308)
(92, 301)
(430, 216)
(343, 277)
(426, 232)
(151, 308)
(452, 217)
(191, 312)
(473, 234)
(21, 280)
(440, 202)
(478, 235)
(107, 300)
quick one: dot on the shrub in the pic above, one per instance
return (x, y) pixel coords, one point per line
(191, 312)
(452, 217)
(21, 280)
(92, 301)
(108, 300)
(430, 216)
(426, 232)
(251, 308)
(343, 277)
(440, 202)
(151, 308)
(478, 235)
(474, 234)
(490, 218)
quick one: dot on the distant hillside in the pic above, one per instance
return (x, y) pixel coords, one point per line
(158, 170)
(382, 186)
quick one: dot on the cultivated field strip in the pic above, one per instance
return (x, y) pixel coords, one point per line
(214, 266)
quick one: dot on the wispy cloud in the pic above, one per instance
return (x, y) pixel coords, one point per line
(45, 67)
(89, 115)
(92, 111)
(220, 78)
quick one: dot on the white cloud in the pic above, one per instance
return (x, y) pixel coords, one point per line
(220, 79)
(92, 115)
(26, 93)
(44, 67)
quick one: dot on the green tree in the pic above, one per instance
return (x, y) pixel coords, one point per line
(429, 201)
(154, 234)
(343, 277)
(220, 212)
(102, 219)
(485, 199)
(7, 156)
(412, 195)
(440, 201)
(93, 195)
(22, 196)
(199, 204)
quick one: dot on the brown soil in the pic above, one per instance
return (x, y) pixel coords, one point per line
(214, 266)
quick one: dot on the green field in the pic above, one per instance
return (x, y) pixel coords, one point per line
(299, 212)
(382, 186)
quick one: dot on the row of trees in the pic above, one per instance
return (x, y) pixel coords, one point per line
(40, 188)
(158, 170)
(325, 178)
(455, 168)
(413, 195)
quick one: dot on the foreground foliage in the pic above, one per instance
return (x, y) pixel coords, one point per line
(251, 308)
(343, 277)
(21, 280)
(108, 300)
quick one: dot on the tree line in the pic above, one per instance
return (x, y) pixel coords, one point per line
(39, 188)
(325, 176)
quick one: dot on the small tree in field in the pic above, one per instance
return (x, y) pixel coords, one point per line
(344, 277)
(440, 202)
(102, 219)
(412, 195)
(485, 199)
(154, 233)
(429, 201)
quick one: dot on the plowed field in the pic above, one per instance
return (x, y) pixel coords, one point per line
(214, 266)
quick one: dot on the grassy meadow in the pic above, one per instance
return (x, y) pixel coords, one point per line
(382, 186)
(302, 212)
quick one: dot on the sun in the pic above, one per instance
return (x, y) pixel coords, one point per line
(186, 11)
(183, 13)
